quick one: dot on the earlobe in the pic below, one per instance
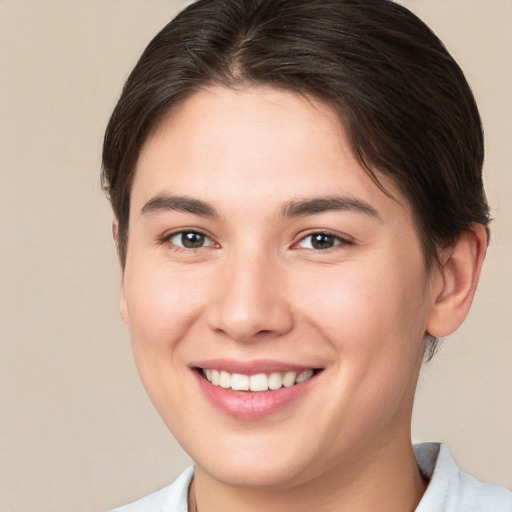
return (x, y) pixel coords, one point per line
(123, 310)
(459, 276)
(115, 231)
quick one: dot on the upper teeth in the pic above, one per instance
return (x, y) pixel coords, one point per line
(258, 382)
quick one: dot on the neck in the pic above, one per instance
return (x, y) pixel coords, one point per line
(386, 479)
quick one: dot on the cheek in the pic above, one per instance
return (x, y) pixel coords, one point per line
(163, 306)
(369, 309)
(162, 303)
(373, 318)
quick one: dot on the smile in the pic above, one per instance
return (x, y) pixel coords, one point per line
(254, 390)
(258, 382)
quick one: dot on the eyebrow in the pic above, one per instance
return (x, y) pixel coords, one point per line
(179, 204)
(293, 208)
(303, 207)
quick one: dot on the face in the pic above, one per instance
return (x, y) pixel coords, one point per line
(277, 299)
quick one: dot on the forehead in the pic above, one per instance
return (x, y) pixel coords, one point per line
(243, 145)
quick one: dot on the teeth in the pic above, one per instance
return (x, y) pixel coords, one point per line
(289, 379)
(275, 381)
(225, 380)
(258, 382)
(305, 375)
(239, 382)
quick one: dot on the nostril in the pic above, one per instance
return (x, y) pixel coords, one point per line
(249, 313)
(263, 333)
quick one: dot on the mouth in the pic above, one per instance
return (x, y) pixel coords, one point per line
(260, 382)
(253, 390)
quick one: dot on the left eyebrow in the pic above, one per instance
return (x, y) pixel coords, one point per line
(302, 207)
(179, 204)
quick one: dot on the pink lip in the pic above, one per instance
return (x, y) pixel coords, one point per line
(249, 367)
(248, 405)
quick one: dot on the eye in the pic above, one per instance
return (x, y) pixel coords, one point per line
(190, 240)
(320, 241)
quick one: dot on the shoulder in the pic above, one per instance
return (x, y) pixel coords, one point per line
(172, 498)
(451, 490)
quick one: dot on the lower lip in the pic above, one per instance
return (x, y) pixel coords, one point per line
(250, 405)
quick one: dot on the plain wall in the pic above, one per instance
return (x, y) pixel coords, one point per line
(76, 429)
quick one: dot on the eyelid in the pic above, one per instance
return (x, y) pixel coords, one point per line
(340, 239)
(166, 239)
(211, 242)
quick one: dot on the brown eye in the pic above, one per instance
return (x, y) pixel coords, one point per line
(319, 241)
(322, 241)
(190, 240)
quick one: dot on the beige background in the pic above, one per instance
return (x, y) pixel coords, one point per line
(77, 431)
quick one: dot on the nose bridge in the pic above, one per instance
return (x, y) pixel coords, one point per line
(251, 299)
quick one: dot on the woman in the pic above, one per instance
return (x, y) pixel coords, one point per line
(299, 216)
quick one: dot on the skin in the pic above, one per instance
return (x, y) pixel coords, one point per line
(257, 289)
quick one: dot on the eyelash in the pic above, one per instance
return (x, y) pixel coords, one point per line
(184, 232)
(336, 240)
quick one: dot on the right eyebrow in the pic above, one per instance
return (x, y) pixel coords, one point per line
(185, 204)
(316, 205)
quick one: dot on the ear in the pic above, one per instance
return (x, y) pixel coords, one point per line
(461, 266)
(115, 231)
(123, 310)
(123, 307)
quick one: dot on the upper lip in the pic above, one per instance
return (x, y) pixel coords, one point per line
(253, 367)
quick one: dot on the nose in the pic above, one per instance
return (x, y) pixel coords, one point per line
(251, 303)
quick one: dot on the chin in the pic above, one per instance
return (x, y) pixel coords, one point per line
(248, 475)
(274, 464)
